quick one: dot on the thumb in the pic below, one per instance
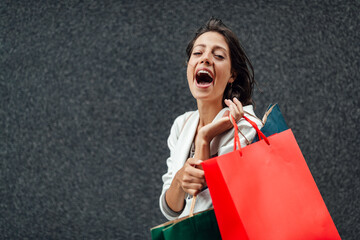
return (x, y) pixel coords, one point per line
(226, 113)
(198, 162)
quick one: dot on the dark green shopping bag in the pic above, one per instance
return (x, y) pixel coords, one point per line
(200, 226)
(274, 122)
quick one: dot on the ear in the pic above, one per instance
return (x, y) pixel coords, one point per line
(232, 78)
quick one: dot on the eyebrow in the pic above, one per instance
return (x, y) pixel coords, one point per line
(216, 47)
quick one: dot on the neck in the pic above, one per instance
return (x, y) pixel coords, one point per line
(208, 111)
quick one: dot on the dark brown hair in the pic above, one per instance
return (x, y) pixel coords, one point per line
(241, 66)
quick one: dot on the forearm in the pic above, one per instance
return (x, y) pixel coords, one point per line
(202, 148)
(175, 196)
(206, 134)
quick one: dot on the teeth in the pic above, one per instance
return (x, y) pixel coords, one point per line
(204, 71)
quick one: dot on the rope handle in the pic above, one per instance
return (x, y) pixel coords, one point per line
(236, 135)
(260, 133)
(193, 201)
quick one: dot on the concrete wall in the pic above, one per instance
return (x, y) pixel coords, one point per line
(89, 91)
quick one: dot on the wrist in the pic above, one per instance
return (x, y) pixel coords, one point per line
(201, 144)
(202, 147)
(176, 184)
(203, 137)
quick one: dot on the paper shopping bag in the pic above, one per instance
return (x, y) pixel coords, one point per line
(200, 226)
(266, 191)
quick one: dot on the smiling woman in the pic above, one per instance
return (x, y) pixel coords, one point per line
(220, 78)
(241, 66)
(209, 58)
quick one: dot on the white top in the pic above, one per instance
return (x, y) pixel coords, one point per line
(180, 140)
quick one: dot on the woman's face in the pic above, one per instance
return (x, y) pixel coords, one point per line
(209, 67)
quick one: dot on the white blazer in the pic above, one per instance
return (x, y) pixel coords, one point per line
(180, 140)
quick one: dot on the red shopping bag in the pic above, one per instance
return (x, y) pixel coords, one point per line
(266, 191)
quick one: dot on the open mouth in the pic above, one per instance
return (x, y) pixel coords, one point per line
(204, 77)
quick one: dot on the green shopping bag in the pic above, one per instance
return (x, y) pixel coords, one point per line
(274, 122)
(200, 226)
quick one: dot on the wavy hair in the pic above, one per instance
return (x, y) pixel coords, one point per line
(241, 66)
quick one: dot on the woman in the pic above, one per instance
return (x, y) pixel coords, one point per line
(220, 78)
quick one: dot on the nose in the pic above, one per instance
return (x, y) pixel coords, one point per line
(206, 58)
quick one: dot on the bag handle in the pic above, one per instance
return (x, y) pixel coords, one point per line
(260, 133)
(236, 135)
(193, 201)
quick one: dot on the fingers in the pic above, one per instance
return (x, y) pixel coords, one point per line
(193, 178)
(193, 161)
(236, 108)
(193, 189)
(239, 106)
(193, 169)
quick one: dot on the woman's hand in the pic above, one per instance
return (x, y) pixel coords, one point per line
(208, 132)
(236, 108)
(191, 177)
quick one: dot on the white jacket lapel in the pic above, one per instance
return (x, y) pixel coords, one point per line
(185, 140)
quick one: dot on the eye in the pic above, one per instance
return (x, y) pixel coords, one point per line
(196, 53)
(219, 56)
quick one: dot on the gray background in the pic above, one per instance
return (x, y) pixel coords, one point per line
(89, 91)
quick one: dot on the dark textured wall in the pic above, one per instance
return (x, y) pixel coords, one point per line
(89, 90)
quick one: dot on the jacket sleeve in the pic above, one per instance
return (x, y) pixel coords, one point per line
(169, 175)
